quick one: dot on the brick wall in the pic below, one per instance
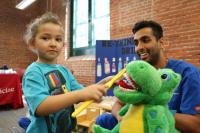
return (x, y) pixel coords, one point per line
(179, 18)
(13, 50)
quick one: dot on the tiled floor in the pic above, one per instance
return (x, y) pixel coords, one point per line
(9, 118)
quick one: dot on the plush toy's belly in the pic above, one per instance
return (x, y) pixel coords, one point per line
(133, 120)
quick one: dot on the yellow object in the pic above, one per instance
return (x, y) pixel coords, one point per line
(88, 118)
(133, 120)
(108, 85)
(115, 78)
(64, 89)
(52, 81)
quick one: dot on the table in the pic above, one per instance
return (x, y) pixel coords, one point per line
(10, 90)
(88, 116)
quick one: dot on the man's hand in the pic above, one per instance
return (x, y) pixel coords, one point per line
(116, 108)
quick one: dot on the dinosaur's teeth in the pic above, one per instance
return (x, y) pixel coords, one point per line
(125, 90)
(130, 81)
(133, 86)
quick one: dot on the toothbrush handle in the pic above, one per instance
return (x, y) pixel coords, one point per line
(108, 85)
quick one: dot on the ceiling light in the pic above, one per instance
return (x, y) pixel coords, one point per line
(24, 4)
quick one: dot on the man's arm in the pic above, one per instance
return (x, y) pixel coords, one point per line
(187, 123)
(116, 108)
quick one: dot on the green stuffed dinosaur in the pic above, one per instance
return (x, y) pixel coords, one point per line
(146, 97)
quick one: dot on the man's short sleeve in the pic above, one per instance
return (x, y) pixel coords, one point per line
(190, 102)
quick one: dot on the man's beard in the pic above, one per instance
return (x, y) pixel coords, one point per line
(154, 57)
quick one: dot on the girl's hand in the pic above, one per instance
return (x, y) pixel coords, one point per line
(93, 92)
(105, 80)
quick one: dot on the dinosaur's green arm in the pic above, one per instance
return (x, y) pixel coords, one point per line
(98, 129)
(123, 111)
(116, 128)
(156, 120)
(171, 122)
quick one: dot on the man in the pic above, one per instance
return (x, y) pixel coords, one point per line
(148, 39)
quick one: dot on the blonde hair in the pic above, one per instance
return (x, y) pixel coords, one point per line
(32, 28)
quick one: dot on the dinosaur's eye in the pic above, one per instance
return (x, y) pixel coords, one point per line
(165, 76)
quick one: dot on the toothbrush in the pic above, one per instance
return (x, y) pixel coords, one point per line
(108, 85)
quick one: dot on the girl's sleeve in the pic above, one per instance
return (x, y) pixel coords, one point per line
(34, 90)
(70, 79)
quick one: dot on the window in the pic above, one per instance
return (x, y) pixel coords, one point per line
(91, 22)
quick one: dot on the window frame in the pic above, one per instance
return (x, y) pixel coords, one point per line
(90, 49)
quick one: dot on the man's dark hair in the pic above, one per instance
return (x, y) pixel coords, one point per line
(156, 28)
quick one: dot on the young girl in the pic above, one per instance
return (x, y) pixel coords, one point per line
(49, 88)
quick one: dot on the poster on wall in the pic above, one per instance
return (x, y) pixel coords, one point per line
(112, 56)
